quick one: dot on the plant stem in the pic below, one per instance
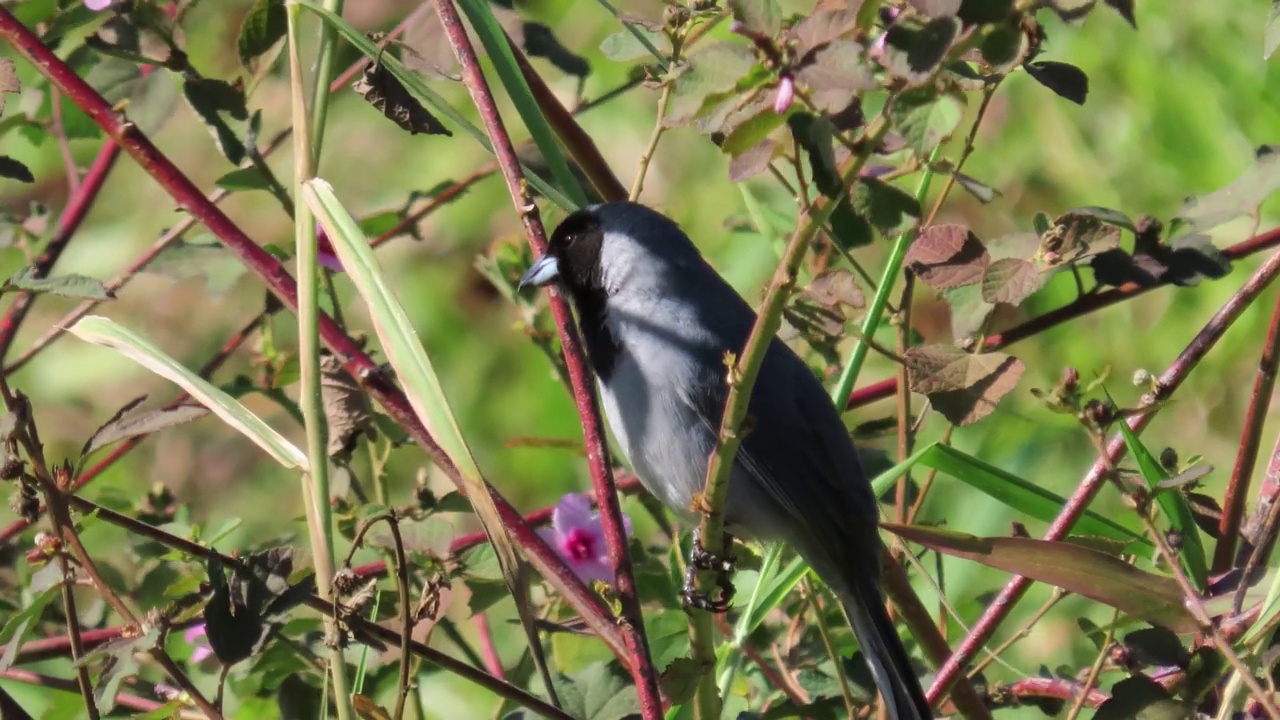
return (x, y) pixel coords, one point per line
(875, 311)
(1168, 382)
(637, 186)
(315, 482)
(741, 379)
(324, 74)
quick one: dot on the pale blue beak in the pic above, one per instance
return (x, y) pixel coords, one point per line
(541, 272)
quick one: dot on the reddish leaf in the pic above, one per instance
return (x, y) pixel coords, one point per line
(947, 256)
(1068, 565)
(1075, 234)
(962, 386)
(834, 288)
(1011, 280)
(754, 160)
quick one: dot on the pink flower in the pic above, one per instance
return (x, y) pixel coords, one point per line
(324, 251)
(201, 650)
(577, 536)
(97, 5)
(786, 94)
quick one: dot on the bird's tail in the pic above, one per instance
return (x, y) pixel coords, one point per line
(890, 664)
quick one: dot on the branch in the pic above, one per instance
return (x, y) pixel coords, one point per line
(281, 284)
(1082, 306)
(1168, 382)
(580, 376)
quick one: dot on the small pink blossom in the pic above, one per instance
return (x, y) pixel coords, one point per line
(325, 254)
(97, 5)
(198, 639)
(786, 94)
(578, 538)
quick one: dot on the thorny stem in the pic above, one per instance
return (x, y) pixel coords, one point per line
(1168, 382)
(356, 362)
(1091, 680)
(659, 126)
(1238, 488)
(741, 379)
(642, 669)
(1080, 307)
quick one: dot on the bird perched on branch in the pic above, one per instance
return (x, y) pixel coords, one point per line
(657, 321)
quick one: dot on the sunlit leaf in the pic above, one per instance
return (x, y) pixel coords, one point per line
(1241, 197)
(947, 256)
(1098, 576)
(964, 387)
(926, 118)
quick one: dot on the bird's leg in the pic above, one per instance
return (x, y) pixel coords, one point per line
(700, 559)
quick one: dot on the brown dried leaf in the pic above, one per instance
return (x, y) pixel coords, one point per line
(947, 256)
(1075, 235)
(962, 386)
(1068, 565)
(8, 80)
(834, 288)
(1011, 281)
(754, 160)
(381, 90)
(346, 406)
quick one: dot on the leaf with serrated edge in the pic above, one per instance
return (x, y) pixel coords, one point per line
(962, 386)
(1011, 281)
(925, 119)
(105, 332)
(1098, 576)
(947, 256)
(72, 286)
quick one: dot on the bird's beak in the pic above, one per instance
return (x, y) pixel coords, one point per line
(545, 270)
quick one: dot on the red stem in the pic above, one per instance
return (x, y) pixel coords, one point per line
(488, 650)
(580, 377)
(1075, 506)
(1238, 489)
(1059, 688)
(78, 206)
(282, 285)
(1083, 306)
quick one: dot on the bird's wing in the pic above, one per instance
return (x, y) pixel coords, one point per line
(796, 447)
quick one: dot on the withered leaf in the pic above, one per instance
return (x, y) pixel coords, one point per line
(122, 427)
(834, 288)
(8, 80)
(915, 53)
(346, 406)
(1074, 235)
(385, 93)
(947, 256)
(964, 387)
(1011, 280)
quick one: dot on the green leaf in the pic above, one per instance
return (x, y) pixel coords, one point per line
(763, 17)
(599, 692)
(263, 27)
(1174, 507)
(1241, 197)
(1272, 40)
(624, 46)
(668, 635)
(105, 332)
(1004, 47)
(72, 286)
(1015, 492)
(889, 209)
(200, 257)
(504, 62)
(248, 178)
(21, 623)
(714, 70)
(212, 99)
(926, 119)
(1096, 575)
(414, 83)
(1141, 698)
(915, 53)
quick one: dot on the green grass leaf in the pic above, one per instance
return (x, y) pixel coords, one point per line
(102, 331)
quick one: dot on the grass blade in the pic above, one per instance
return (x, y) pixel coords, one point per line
(413, 82)
(102, 331)
(1015, 492)
(1174, 507)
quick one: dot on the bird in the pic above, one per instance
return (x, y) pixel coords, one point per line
(657, 321)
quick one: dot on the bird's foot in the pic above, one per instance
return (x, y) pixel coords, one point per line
(700, 559)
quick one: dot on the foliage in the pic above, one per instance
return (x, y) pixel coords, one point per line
(443, 427)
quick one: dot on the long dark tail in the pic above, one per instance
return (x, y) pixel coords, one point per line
(890, 664)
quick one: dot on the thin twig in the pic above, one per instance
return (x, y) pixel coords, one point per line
(659, 126)
(407, 621)
(1168, 382)
(1238, 488)
(642, 670)
(1095, 669)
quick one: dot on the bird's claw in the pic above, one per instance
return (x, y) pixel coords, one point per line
(700, 559)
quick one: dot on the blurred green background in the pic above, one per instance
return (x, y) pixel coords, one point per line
(1174, 109)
